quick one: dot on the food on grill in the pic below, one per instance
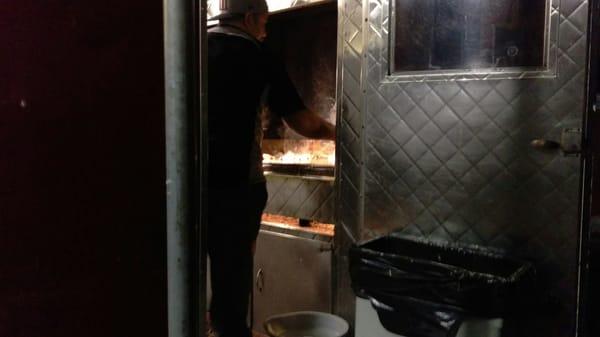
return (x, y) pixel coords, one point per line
(299, 151)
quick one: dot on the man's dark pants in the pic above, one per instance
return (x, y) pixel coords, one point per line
(234, 220)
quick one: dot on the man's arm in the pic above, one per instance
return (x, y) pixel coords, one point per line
(311, 125)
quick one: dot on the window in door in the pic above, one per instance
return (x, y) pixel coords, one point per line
(463, 35)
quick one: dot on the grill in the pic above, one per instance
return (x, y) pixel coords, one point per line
(299, 171)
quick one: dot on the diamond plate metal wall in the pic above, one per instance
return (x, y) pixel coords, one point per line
(351, 100)
(349, 150)
(301, 198)
(450, 159)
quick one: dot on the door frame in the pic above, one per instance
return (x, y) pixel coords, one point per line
(186, 149)
(589, 153)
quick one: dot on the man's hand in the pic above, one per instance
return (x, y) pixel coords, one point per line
(311, 125)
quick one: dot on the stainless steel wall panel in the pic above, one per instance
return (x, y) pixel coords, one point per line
(349, 153)
(448, 157)
(351, 127)
(301, 198)
(343, 295)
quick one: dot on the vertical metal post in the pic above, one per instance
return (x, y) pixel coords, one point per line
(592, 89)
(184, 39)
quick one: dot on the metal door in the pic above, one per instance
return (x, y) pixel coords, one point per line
(471, 157)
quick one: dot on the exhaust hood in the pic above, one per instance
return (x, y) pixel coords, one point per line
(275, 6)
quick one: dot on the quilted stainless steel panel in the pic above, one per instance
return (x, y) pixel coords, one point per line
(301, 198)
(380, 23)
(448, 158)
(351, 103)
(344, 299)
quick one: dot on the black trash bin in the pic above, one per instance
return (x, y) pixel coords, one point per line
(426, 289)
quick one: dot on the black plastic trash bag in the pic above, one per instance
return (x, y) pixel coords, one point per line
(426, 289)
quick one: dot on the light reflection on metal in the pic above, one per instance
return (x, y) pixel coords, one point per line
(385, 20)
(447, 155)
(457, 35)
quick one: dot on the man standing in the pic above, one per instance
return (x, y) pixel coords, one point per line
(242, 78)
